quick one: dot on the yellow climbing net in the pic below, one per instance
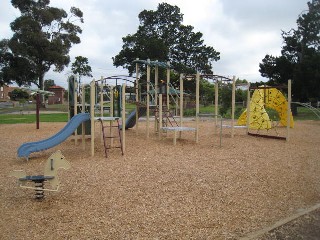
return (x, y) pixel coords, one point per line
(262, 99)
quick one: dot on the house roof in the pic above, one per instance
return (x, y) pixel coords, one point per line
(56, 87)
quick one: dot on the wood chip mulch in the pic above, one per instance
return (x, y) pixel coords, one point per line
(160, 191)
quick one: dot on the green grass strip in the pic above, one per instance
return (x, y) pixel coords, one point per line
(31, 118)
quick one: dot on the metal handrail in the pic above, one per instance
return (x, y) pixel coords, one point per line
(313, 109)
(174, 100)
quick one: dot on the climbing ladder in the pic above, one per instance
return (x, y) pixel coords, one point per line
(168, 120)
(110, 126)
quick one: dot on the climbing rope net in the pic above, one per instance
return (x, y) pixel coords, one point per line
(268, 110)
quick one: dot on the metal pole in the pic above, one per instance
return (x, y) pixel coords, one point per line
(37, 110)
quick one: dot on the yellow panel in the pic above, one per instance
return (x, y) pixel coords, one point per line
(242, 120)
(279, 103)
(259, 118)
(261, 98)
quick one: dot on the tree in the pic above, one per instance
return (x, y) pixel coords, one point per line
(48, 83)
(87, 93)
(300, 57)
(207, 92)
(80, 66)
(18, 94)
(42, 38)
(162, 36)
(277, 69)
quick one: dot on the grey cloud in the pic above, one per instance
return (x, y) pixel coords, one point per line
(242, 30)
(264, 15)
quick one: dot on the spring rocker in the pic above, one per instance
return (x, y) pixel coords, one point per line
(53, 163)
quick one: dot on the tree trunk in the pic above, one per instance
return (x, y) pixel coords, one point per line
(294, 109)
(41, 87)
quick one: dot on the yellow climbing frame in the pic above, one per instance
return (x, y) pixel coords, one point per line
(261, 99)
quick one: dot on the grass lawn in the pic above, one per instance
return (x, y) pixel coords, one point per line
(31, 118)
(303, 114)
(32, 107)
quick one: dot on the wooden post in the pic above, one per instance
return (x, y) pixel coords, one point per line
(288, 110)
(101, 97)
(75, 110)
(123, 115)
(101, 104)
(111, 100)
(168, 86)
(160, 115)
(197, 106)
(137, 95)
(38, 102)
(69, 98)
(111, 114)
(83, 102)
(92, 103)
(248, 108)
(156, 85)
(181, 101)
(216, 102)
(148, 97)
(233, 104)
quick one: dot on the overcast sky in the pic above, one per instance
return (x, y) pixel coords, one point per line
(242, 31)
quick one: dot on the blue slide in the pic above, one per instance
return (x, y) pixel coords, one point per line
(25, 149)
(131, 120)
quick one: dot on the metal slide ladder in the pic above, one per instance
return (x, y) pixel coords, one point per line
(110, 126)
(172, 97)
(152, 95)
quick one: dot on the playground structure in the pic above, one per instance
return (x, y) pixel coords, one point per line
(95, 110)
(114, 121)
(164, 119)
(255, 117)
(163, 101)
(220, 81)
(77, 120)
(53, 163)
(77, 104)
(180, 128)
(159, 101)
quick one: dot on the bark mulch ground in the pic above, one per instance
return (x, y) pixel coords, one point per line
(160, 191)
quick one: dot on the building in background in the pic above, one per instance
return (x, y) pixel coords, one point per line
(4, 92)
(58, 95)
